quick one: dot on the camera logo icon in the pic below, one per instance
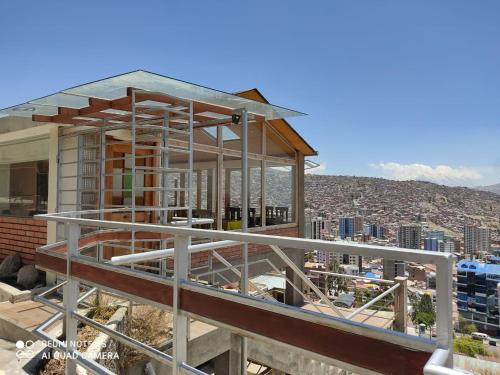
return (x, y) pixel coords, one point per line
(25, 349)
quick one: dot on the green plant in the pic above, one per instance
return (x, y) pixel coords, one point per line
(469, 328)
(423, 311)
(468, 346)
(338, 284)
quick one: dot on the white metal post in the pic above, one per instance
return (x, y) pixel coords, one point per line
(133, 146)
(181, 244)
(190, 167)
(444, 307)
(244, 223)
(70, 297)
(164, 184)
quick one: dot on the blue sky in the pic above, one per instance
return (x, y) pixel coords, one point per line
(401, 89)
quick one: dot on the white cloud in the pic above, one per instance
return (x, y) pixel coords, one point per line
(320, 169)
(442, 174)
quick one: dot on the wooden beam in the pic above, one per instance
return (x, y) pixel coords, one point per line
(377, 355)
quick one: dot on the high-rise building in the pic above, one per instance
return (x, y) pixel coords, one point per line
(321, 228)
(437, 234)
(432, 244)
(393, 268)
(476, 239)
(444, 246)
(470, 240)
(377, 231)
(350, 226)
(347, 259)
(477, 294)
(483, 239)
(447, 246)
(346, 227)
(409, 236)
(358, 224)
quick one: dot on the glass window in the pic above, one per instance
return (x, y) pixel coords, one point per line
(280, 194)
(24, 188)
(232, 137)
(205, 186)
(255, 193)
(205, 136)
(231, 199)
(276, 146)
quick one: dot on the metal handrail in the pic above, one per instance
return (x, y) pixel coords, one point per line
(371, 302)
(436, 365)
(441, 260)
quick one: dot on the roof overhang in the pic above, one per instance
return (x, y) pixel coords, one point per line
(116, 91)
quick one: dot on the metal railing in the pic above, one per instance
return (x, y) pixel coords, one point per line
(181, 283)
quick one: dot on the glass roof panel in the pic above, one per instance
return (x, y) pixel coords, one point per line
(28, 109)
(63, 100)
(115, 87)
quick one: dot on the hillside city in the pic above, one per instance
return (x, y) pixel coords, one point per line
(414, 215)
(392, 203)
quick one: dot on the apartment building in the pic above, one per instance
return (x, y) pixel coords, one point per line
(477, 239)
(477, 293)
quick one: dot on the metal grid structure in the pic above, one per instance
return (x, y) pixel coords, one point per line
(150, 136)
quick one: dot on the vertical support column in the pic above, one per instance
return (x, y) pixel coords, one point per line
(181, 244)
(53, 196)
(292, 296)
(401, 304)
(190, 166)
(263, 177)
(244, 224)
(444, 290)
(211, 276)
(134, 182)
(164, 185)
(70, 297)
(220, 176)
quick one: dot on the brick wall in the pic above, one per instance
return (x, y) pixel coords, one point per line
(22, 236)
(201, 259)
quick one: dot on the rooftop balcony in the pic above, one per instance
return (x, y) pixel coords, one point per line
(318, 332)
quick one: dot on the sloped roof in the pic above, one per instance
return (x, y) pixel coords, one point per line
(281, 125)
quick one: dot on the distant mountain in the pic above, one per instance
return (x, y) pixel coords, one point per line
(393, 203)
(491, 188)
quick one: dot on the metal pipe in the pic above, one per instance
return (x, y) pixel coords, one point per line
(375, 300)
(304, 278)
(436, 364)
(352, 276)
(52, 289)
(129, 341)
(409, 255)
(165, 253)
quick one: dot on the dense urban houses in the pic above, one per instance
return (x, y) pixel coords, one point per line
(477, 293)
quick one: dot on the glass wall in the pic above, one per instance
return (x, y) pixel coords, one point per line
(205, 186)
(24, 171)
(24, 188)
(280, 194)
(231, 199)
